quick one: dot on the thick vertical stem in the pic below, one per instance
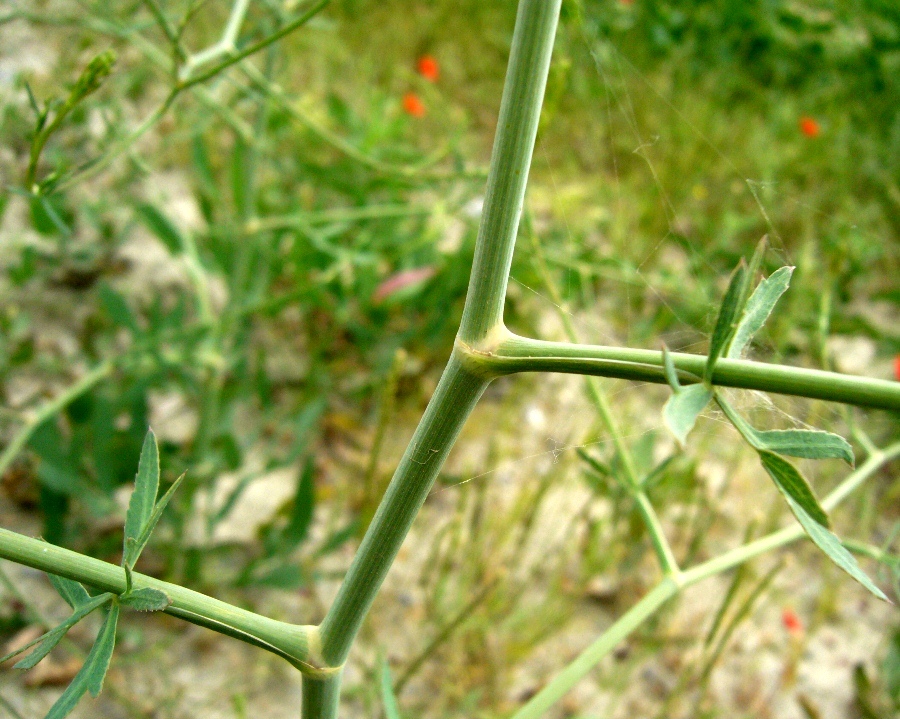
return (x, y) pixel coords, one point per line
(520, 110)
(460, 387)
(321, 696)
(453, 400)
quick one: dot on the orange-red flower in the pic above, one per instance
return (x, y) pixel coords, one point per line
(897, 368)
(412, 105)
(791, 622)
(428, 68)
(809, 127)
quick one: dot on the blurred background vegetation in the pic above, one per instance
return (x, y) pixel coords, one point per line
(272, 275)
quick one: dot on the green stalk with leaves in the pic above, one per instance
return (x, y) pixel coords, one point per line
(484, 351)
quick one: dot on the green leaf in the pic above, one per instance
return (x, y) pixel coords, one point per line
(90, 677)
(140, 508)
(147, 600)
(831, 545)
(50, 639)
(391, 710)
(728, 312)
(72, 591)
(793, 485)
(144, 537)
(302, 511)
(162, 227)
(681, 411)
(759, 307)
(101, 653)
(806, 443)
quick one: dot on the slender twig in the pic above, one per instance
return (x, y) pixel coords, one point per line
(51, 408)
(664, 554)
(459, 389)
(509, 353)
(292, 642)
(669, 588)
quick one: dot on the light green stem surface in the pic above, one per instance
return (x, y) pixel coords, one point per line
(321, 696)
(521, 354)
(288, 640)
(520, 110)
(453, 400)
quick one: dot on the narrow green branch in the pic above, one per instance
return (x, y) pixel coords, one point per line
(51, 408)
(670, 587)
(287, 640)
(520, 110)
(661, 546)
(302, 19)
(520, 354)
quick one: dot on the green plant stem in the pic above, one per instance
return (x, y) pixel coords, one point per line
(670, 587)
(321, 696)
(287, 640)
(664, 554)
(520, 110)
(257, 46)
(49, 409)
(453, 400)
(459, 388)
(513, 354)
(92, 168)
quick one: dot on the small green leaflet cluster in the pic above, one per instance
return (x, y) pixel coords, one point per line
(741, 315)
(143, 514)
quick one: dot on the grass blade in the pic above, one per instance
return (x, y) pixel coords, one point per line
(391, 710)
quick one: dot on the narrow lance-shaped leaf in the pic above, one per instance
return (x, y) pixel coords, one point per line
(793, 485)
(144, 537)
(683, 407)
(804, 443)
(70, 590)
(147, 600)
(759, 307)
(50, 639)
(728, 313)
(807, 444)
(140, 508)
(90, 677)
(831, 545)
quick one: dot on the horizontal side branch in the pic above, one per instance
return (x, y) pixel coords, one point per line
(287, 640)
(521, 354)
